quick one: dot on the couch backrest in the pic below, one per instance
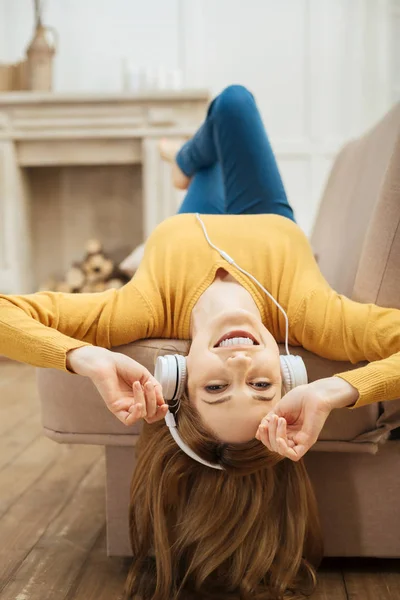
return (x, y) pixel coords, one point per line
(356, 235)
(378, 274)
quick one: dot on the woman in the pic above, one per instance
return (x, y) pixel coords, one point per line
(251, 529)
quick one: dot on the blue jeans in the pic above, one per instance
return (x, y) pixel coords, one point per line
(231, 161)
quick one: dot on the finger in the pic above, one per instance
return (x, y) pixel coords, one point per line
(284, 450)
(283, 433)
(132, 416)
(122, 404)
(159, 394)
(262, 431)
(263, 435)
(145, 376)
(160, 414)
(158, 390)
(295, 453)
(138, 397)
(281, 439)
(137, 409)
(151, 400)
(272, 433)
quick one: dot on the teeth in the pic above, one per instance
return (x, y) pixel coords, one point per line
(237, 341)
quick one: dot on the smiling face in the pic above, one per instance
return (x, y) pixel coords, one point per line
(234, 376)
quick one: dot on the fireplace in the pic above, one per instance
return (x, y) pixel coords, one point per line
(79, 167)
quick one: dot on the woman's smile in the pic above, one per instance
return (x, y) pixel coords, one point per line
(237, 339)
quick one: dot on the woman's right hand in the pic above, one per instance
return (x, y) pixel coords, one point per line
(128, 389)
(297, 419)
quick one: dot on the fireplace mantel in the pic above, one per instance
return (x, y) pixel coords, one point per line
(48, 130)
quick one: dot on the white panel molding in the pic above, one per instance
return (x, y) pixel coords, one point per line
(160, 198)
(15, 231)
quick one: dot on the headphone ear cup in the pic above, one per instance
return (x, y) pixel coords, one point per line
(171, 371)
(182, 375)
(294, 372)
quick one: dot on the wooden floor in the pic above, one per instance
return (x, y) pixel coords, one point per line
(52, 517)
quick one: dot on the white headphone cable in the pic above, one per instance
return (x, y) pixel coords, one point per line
(230, 260)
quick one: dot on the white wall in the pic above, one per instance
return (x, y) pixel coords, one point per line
(322, 70)
(3, 50)
(95, 35)
(394, 33)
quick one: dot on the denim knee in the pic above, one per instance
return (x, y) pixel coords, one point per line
(233, 100)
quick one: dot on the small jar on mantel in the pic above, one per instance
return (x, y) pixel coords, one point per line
(40, 56)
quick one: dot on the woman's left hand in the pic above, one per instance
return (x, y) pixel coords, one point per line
(128, 389)
(296, 421)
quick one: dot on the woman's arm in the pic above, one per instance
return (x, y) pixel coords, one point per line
(40, 329)
(337, 328)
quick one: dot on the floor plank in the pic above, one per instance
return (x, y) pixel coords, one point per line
(14, 442)
(330, 583)
(101, 578)
(18, 395)
(40, 505)
(51, 567)
(370, 579)
(18, 476)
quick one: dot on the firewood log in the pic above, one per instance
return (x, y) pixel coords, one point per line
(97, 267)
(114, 283)
(75, 277)
(93, 246)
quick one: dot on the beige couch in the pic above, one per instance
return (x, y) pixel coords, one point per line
(355, 465)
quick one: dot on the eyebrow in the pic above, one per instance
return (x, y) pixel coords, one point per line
(227, 398)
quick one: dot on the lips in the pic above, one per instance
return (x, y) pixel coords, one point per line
(237, 334)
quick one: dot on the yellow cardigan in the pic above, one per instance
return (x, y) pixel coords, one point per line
(178, 266)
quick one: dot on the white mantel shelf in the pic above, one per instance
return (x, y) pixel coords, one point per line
(43, 130)
(29, 115)
(67, 98)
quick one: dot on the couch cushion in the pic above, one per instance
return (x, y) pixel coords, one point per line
(73, 411)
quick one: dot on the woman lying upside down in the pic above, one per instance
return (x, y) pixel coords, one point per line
(221, 504)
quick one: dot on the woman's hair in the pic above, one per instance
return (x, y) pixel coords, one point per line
(250, 532)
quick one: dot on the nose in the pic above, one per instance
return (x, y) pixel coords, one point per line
(239, 359)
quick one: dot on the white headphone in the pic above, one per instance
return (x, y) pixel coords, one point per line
(171, 371)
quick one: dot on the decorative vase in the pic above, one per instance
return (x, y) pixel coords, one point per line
(40, 55)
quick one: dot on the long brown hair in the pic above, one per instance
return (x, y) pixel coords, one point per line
(250, 532)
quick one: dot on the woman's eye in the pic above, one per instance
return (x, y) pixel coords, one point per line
(262, 384)
(215, 388)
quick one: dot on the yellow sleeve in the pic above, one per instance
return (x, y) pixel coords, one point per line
(39, 329)
(337, 328)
